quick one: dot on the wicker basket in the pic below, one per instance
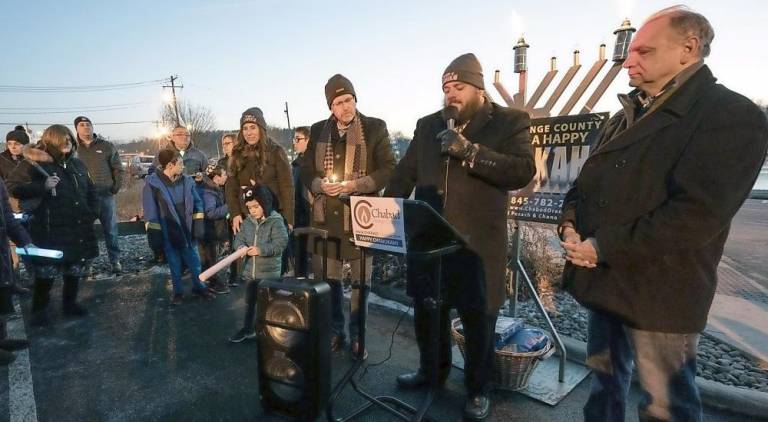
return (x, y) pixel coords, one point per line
(511, 369)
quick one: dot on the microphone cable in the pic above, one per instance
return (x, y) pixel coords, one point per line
(391, 342)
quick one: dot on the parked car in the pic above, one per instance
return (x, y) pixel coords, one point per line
(138, 165)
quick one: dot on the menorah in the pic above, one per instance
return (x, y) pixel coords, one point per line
(620, 52)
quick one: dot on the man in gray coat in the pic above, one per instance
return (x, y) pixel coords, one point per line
(104, 165)
(195, 161)
(645, 223)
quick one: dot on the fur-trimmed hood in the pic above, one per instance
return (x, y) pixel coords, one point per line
(39, 154)
(31, 152)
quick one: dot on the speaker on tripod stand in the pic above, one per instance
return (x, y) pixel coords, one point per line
(293, 334)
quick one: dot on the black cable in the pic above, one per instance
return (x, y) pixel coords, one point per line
(391, 342)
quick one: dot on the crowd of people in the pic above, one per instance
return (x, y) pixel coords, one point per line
(643, 226)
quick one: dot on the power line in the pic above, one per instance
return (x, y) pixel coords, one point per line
(80, 88)
(73, 108)
(97, 123)
(26, 113)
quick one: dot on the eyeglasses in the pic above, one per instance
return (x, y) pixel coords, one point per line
(299, 138)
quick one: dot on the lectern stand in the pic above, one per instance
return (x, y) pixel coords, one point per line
(428, 237)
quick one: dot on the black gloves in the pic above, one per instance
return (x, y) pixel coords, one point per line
(456, 145)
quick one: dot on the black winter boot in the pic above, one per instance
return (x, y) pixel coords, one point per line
(69, 296)
(40, 298)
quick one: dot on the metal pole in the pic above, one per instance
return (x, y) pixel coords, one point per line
(287, 116)
(512, 306)
(558, 342)
(173, 93)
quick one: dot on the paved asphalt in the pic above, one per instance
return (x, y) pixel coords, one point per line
(137, 359)
(747, 242)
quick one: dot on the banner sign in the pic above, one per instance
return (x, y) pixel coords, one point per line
(561, 146)
(378, 223)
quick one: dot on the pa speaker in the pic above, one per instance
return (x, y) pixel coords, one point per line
(294, 357)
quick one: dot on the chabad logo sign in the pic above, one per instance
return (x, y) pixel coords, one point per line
(377, 223)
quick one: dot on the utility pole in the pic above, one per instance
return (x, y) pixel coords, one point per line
(173, 87)
(287, 116)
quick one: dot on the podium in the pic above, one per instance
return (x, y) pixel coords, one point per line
(429, 237)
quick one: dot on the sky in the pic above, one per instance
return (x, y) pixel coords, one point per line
(234, 54)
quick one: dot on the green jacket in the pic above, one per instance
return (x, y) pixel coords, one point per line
(271, 237)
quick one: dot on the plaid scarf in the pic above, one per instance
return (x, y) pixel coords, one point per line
(355, 165)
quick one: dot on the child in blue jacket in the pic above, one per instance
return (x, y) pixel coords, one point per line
(264, 234)
(174, 215)
(211, 190)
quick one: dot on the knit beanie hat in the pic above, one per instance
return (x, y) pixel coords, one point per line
(79, 119)
(19, 136)
(338, 85)
(261, 194)
(214, 170)
(465, 68)
(253, 115)
(166, 156)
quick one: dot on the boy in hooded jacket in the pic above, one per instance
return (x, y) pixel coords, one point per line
(211, 191)
(264, 234)
(174, 221)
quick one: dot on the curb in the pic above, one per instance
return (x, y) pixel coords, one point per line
(739, 401)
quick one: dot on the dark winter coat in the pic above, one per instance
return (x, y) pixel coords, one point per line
(65, 221)
(216, 210)
(658, 198)
(10, 228)
(163, 222)
(301, 200)
(276, 177)
(103, 164)
(380, 163)
(8, 165)
(474, 198)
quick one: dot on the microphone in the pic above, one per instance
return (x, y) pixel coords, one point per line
(53, 189)
(450, 114)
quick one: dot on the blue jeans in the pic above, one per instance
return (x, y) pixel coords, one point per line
(189, 257)
(108, 219)
(666, 369)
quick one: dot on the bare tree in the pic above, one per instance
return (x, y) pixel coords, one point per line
(197, 118)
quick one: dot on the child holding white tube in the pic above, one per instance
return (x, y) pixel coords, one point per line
(264, 234)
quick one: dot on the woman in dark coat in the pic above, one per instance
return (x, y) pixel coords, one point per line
(62, 219)
(256, 159)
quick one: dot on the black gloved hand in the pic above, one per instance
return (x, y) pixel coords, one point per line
(456, 145)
